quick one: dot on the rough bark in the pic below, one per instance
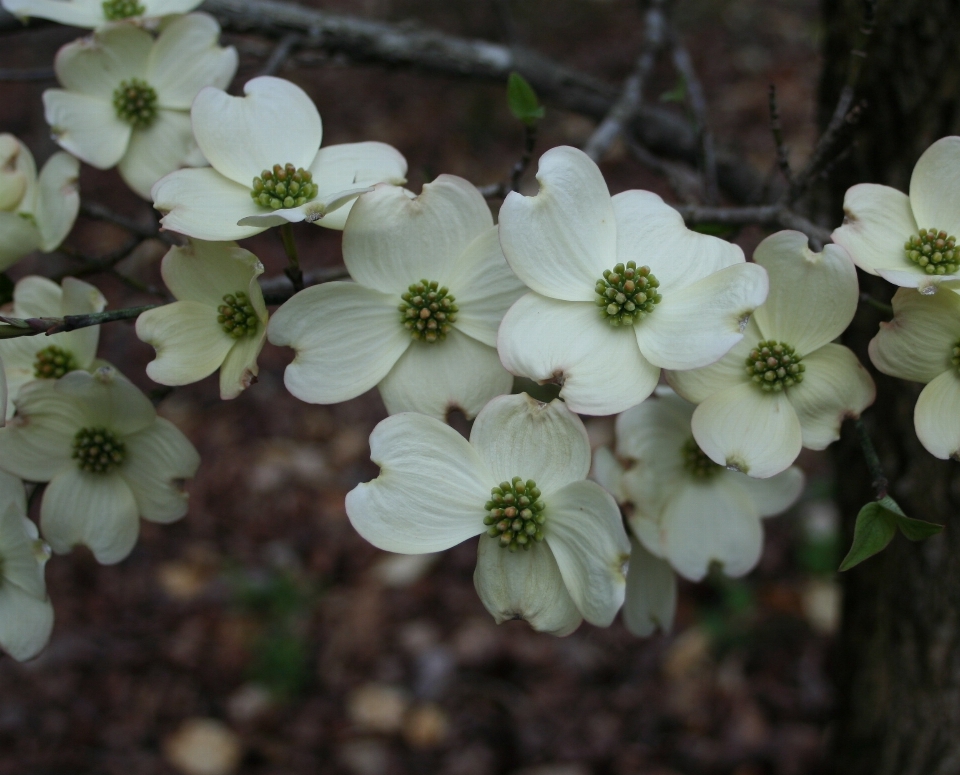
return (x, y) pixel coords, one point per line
(898, 661)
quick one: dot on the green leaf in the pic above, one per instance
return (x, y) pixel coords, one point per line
(875, 528)
(678, 93)
(6, 289)
(522, 100)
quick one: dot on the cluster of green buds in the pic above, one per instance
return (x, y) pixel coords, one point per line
(515, 514)
(97, 450)
(284, 186)
(933, 251)
(626, 294)
(774, 366)
(53, 362)
(135, 102)
(428, 310)
(237, 316)
(695, 460)
(114, 10)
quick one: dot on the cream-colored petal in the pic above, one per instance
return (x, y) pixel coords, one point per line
(518, 436)
(394, 239)
(240, 369)
(157, 150)
(600, 367)
(877, 222)
(95, 66)
(79, 298)
(204, 272)
(651, 598)
(697, 385)
(12, 496)
(770, 496)
(431, 490)
(654, 434)
(57, 200)
(935, 187)
(697, 325)
(159, 459)
(744, 428)
(347, 339)
(87, 127)
(18, 237)
(524, 585)
(923, 282)
(323, 205)
(560, 241)
(74, 14)
(25, 622)
(458, 373)
(608, 473)
(107, 399)
(936, 416)
(93, 510)
(835, 387)
(275, 122)
(37, 297)
(167, 8)
(918, 343)
(17, 548)
(17, 171)
(813, 296)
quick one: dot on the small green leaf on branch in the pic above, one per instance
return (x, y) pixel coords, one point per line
(876, 525)
(522, 100)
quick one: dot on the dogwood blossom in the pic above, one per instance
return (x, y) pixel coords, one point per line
(219, 320)
(922, 344)
(49, 357)
(97, 13)
(420, 322)
(909, 240)
(36, 212)
(268, 167)
(107, 457)
(552, 545)
(786, 385)
(126, 96)
(26, 616)
(620, 288)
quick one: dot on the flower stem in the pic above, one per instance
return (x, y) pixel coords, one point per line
(867, 299)
(290, 247)
(880, 483)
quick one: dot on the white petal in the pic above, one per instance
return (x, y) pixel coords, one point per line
(712, 522)
(86, 126)
(355, 165)
(18, 237)
(37, 297)
(158, 459)
(156, 151)
(697, 385)
(697, 325)
(17, 171)
(95, 66)
(757, 433)
(651, 598)
(58, 200)
(239, 369)
(485, 288)
(651, 233)
(659, 424)
(524, 585)
(600, 367)
(431, 490)
(774, 495)
(17, 549)
(168, 7)
(321, 206)
(39, 443)
(186, 57)
(560, 241)
(835, 387)
(74, 14)
(203, 204)
(108, 399)
(518, 436)
(189, 341)
(205, 271)
(12, 496)
(650, 493)
(918, 343)
(347, 338)
(459, 373)
(813, 296)
(275, 123)
(936, 416)
(79, 298)
(585, 531)
(934, 187)
(25, 622)
(608, 473)
(95, 510)
(877, 222)
(923, 282)
(395, 239)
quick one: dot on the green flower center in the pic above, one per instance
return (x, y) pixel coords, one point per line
(696, 461)
(933, 251)
(427, 311)
(237, 316)
(114, 10)
(515, 514)
(284, 186)
(98, 450)
(135, 102)
(626, 294)
(53, 362)
(774, 366)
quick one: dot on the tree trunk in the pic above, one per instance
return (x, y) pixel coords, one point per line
(898, 660)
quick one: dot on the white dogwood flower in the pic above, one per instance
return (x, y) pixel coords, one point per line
(620, 288)
(922, 344)
(107, 457)
(552, 545)
(26, 615)
(909, 240)
(219, 320)
(36, 212)
(786, 385)
(420, 322)
(50, 357)
(97, 13)
(268, 166)
(126, 97)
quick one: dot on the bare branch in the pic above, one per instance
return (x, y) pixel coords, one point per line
(698, 106)
(763, 215)
(17, 327)
(281, 53)
(783, 159)
(102, 213)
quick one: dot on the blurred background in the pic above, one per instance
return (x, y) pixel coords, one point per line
(261, 635)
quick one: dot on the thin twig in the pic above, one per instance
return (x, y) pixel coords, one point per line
(27, 74)
(698, 107)
(100, 212)
(17, 327)
(96, 265)
(762, 215)
(281, 53)
(293, 271)
(276, 290)
(529, 143)
(783, 158)
(879, 478)
(685, 181)
(867, 299)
